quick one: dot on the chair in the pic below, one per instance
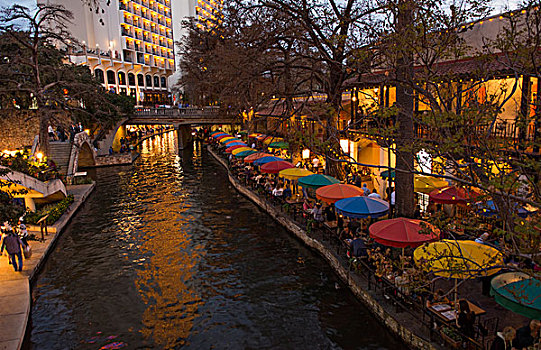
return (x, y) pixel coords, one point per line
(487, 330)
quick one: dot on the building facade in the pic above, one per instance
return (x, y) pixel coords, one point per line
(128, 45)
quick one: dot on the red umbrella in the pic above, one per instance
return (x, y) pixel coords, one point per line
(255, 156)
(223, 136)
(449, 195)
(335, 192)
(276, 166)
(402, 232)
(229, 149)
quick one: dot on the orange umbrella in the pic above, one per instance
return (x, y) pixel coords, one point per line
(256, 156)
(335, 192)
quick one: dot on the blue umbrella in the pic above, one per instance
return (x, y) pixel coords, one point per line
(490, 209)
(265, 160)
(218, 135)
(240, 143)
(362, 207)
(245, 153)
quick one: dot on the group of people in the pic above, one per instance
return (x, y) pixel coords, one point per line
(14, 243)
(60, 134)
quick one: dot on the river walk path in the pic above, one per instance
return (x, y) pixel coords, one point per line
(15, 297)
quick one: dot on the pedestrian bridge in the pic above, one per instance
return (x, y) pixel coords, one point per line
(181, 116)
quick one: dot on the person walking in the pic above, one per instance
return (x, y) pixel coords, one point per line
(365, 189)
(13, 245)
(23, 232)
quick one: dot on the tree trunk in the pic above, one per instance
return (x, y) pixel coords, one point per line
(404, 201)
(43, 131)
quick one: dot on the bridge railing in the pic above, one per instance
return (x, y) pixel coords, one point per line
(189, 112)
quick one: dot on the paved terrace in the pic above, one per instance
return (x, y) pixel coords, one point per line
(15, 291)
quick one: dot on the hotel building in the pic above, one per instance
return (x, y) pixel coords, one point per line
(128, 45)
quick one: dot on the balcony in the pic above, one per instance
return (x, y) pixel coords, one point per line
(138, 47)
(123, 7)
(127, 32)
(128, 20)
(147, 39)
(138, 36)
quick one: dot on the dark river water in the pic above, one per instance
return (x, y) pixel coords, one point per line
(166, 254)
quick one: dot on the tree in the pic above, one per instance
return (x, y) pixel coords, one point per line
(35, 72)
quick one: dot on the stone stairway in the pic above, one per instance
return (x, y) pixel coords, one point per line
(60, 153)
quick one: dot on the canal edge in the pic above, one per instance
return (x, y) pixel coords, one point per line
(404, 334)
(81, 194)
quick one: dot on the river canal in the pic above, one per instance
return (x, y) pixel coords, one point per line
(166, 254)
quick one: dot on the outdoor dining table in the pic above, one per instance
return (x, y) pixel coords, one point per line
(446, 313)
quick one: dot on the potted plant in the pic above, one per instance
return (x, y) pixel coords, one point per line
(451, 337)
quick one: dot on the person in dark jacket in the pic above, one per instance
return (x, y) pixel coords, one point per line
(504, 339)
(13, 245)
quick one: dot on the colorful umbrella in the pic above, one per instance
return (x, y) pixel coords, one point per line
(426, 184)
(264, 160)
(253, 157)
(219, 138)
(385, 174)
(518, 292)
(245, 153)
(402, 232)
(275, 166)
(219, 134)
(230, 149)
(489, 208)
(359, 206)
(271, 139)
(231, 141)
(333, 193)
(228, 138)
(236, 143)
(254, 135)
(216, 132)
(260, 137)
(459, 259)
(317, 181)
(448, 195)
(279, 144)
(294, 173)
(241, 149)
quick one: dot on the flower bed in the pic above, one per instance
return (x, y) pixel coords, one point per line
(54, 211)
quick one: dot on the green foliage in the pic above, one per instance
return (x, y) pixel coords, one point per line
(54, 211)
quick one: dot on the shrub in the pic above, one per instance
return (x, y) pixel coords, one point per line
(54, 211)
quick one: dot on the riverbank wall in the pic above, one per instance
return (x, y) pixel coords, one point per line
(397, 325)
(15, 287)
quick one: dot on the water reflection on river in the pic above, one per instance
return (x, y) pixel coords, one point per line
(165, 254)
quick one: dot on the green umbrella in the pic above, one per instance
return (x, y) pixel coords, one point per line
(317, 181)
(245, 153)
(280, 144)
(385, 174)
(518, 292)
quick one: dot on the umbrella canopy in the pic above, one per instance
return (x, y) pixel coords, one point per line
(489, 208)
(235, 143)
(459, 259)
(230, 149)
(426, 184)
(253, 157)
(216, 132)
(279, 144)
(402, 232)
(220, 137)
(333, 193)
(276, 166)
(360, 206)
(264, 160)
(254, 135)
(228, 138)
(219, 134)
(448, 195)
(385, 174)
(241, 149)
(317, 181)
(227, 142)
(271, 139)
(245, 153)
(260, 137)
(518, 292)
(294, 173)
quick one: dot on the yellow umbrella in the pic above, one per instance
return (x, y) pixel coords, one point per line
(294, 173)
(241, 149)
(225, 139)
(427, 184)
(458, 259)
(271, 139)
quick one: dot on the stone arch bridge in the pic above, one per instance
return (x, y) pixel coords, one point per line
(180, 118)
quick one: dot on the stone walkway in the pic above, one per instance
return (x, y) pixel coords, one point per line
(15, 297)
